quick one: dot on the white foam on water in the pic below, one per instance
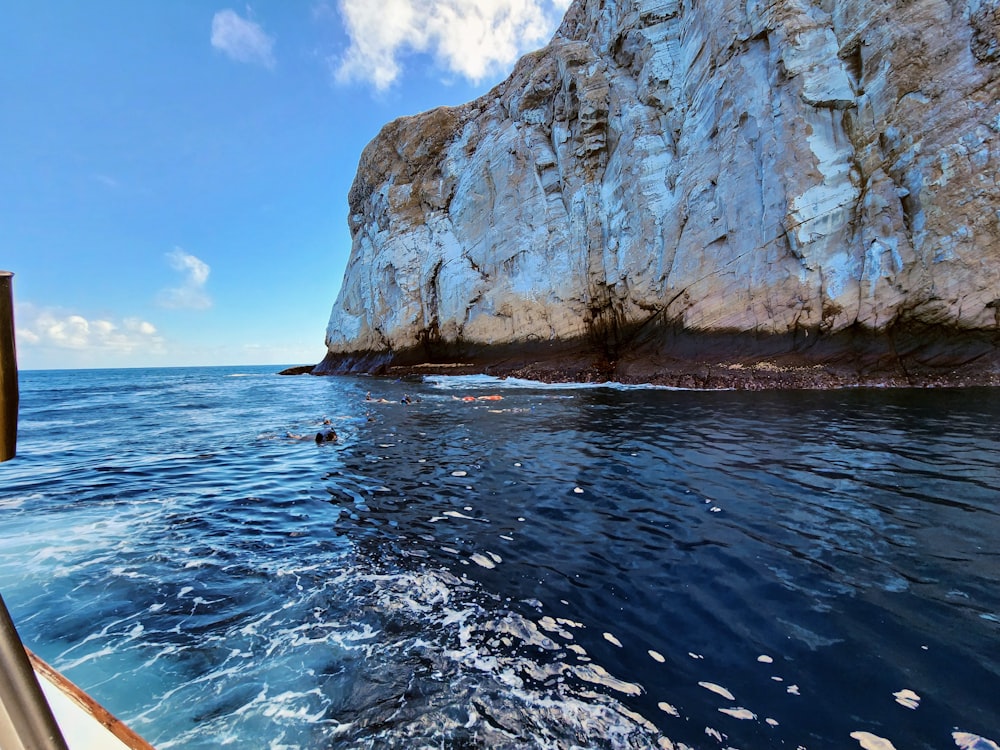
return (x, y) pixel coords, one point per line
(907, 699)
(100, 653)
(870, 741)
(968, 741)
(288, 705)
(639, 719)
(552, 715)
(524, 630)
(668, 709)
(482, 561)
(598, 675)
(18, 501)
(738, 712)
(718, 690)
(470, 382)
(122, 572)
(551, 625)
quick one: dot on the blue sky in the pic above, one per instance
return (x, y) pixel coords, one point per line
(174, 175)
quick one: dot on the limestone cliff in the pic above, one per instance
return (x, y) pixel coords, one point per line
(695, 181)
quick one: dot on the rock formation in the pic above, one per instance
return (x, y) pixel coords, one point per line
(672, 186)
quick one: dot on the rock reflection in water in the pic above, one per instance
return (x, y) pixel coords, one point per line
(818, 535)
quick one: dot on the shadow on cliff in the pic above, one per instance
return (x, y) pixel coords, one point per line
(663, 353)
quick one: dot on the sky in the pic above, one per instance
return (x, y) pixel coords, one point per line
(174, 175)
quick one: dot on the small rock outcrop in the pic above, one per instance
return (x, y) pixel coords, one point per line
(672, 185)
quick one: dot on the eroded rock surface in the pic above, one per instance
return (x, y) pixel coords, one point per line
(789, 177)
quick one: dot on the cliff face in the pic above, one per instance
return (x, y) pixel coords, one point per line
(665, 171)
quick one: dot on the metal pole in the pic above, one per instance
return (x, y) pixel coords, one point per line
(26, 721)
(8, 371)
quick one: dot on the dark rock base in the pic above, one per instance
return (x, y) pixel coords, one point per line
(911, 356)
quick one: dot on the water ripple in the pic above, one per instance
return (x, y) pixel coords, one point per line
(558, 567)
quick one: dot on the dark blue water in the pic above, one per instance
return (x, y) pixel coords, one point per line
(561, 568)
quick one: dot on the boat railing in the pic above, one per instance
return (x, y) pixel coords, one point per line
(8, 370)
(26, 721)
(26, 718)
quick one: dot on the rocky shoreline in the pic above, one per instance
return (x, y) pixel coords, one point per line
(899, 357)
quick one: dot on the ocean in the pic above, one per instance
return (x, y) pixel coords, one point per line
(505, 564)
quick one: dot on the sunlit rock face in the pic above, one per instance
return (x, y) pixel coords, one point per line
(789, 169)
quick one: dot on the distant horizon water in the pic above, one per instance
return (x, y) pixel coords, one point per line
(276, 367)
(485, 563)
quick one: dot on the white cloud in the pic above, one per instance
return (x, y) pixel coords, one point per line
(472, 38)
(49, 327)
(242, 39)
(190, 294)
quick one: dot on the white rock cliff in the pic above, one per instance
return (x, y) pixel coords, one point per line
(664, 172)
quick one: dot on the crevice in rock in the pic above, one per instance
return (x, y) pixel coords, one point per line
(854, 65)
(429, 335)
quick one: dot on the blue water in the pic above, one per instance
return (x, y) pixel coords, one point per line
(563, 567)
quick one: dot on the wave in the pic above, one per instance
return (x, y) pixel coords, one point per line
(468, 382)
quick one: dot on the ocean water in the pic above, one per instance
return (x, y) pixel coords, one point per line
(550, 567)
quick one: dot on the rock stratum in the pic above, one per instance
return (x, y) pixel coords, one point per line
(697, 192)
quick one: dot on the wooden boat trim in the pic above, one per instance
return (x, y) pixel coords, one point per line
(88, 704)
